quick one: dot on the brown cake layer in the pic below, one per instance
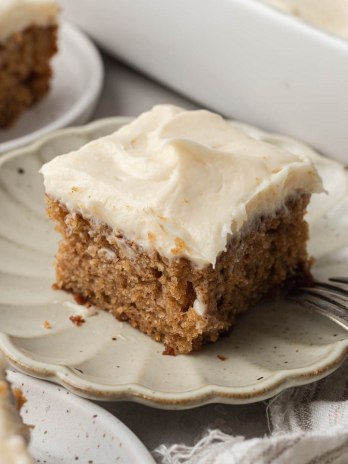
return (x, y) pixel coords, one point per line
(25, 70)
(156, 294)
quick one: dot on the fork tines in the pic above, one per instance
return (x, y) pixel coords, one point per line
(328, 298)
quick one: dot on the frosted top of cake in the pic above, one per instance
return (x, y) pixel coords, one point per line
(331, 15)
(179, 181)
(16, 15)
(13, 449)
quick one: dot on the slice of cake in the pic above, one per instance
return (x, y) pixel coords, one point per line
(179, 221)
(330, 15)
(28, 40)
(14, 435)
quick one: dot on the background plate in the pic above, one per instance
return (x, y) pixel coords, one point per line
(75, 89)
(274, 346)
(68, 429)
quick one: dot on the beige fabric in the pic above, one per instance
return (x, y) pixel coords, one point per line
(309, 425)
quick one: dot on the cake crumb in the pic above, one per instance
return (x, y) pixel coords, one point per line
(221, 357)
(77, 320)
(74, 189)
(47, 325)
(168, 351)
(20, 397)
(80, 299)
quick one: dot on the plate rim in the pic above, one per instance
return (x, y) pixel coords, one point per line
(210, 393)
(108, 418)
(84, 105)
(206, 394)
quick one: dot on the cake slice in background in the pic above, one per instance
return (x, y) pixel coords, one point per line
(330, 15)
(28, 40)
(14, 435)
(179, 221)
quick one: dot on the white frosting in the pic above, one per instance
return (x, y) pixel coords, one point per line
(13, 442)
(179, 181)
(331, 15)
(200, 307)
(16, 15)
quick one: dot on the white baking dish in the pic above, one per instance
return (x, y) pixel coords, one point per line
(239, 57)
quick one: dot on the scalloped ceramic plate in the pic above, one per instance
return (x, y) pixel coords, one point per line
(275, 345)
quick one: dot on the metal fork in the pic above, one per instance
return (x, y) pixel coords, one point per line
(327, 298)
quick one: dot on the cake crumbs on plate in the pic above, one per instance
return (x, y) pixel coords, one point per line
(168, 351)
(221, 357)
(77, 319)
(81, 300)
(47, 325)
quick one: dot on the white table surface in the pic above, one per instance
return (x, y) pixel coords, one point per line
(128, 93)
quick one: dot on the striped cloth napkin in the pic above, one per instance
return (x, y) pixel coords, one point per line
(309, 425)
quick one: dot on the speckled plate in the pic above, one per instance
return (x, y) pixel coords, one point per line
(274, 346)
(70, 429)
